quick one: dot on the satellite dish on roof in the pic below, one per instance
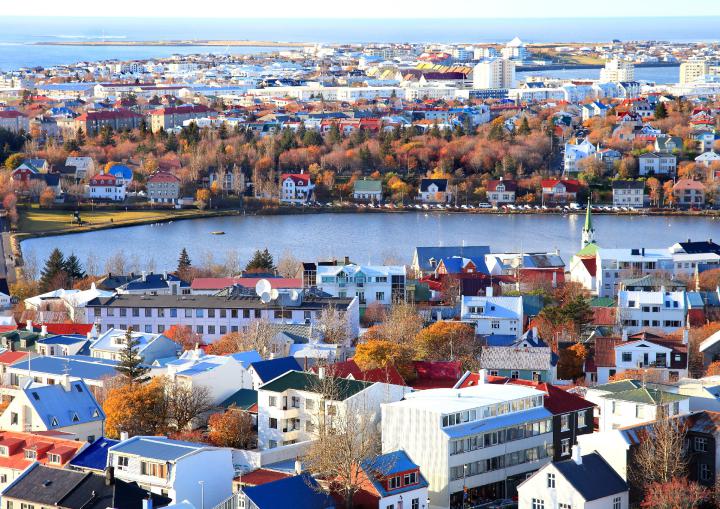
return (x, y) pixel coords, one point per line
(294, 295)
(265, 297)
(263, 286)
(274, 294)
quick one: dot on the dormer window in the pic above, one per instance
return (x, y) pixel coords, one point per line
(54, 421)
(394, 483)
(30, 454)
(55, 459)
(4, 451)
(410, 478)
(75, 417)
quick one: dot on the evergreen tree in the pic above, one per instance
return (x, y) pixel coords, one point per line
(106, 136)
(184, 263)
(171, 144)
(262, 261)
(53, 275)
(222, 131)
(334, 136)
(660, 111)
(73, 269)
(79, 137)
(143, 127)
(524, 127)
(130, 362)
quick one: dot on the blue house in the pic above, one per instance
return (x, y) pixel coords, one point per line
(122, 173)
(426, 259)
(94, 457)
(264, 371)
(298, 492)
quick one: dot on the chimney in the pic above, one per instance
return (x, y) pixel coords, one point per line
(124, 436)
(624, 335)
(482, 376)
(686, 337)
(65, 381)
(489, 291)
(109, 476)
(347, 260)
(577, 455)
(147, 503)
(298, 466)
(43, 330)
(144, 276)
(321, 372)
(28, 325)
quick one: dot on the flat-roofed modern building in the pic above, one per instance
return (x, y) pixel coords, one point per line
(485, 438)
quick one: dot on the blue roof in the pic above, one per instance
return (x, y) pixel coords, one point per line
(500, 339)
(593, 478)
(385, 465)
(498, 422)
(59, 408)
(94, 456)
(157, 448)
(273, 368)
(298, 492)
(121, 171)
(247, 358)
(532, 304)
(475, 253)
(152, 280)
(200, 367)
(63, 339)
(77, 366)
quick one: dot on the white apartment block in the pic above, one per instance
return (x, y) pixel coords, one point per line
(664, 311)
(291, 406)
(486, 438)
(494, 73)
(371, 284)
(628, 193)
(493, 315)
(694, 71)
(657, 163)
(213, 316)
(617, 71)
(613, 265)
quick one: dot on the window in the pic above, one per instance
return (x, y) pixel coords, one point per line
(627, 356)
(309, 404)
(415, 503)
(565, 446)
(272, 444)
(272, 401)
(199, 313)
(211, 329)
(705, 474)
(136, 311)
(211, 313)
(700, 444)
(617, 501)
(123, 311)
(54, 458)
(410, 478)
(188, 313)
(581, 420)
(514, 374)
(123, 461)
(272, 423)
(148, 312)
(394, 482)
(551, 480)
(173, 312)
(565, 422)
(380, 296)
(148, 329)
(538, 503)
(30, 454)
(564, 506)
(153, 469)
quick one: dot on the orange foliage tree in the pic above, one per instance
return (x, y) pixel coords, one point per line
(138, 409)
(232, 429)
(678, 493)
(184, 336)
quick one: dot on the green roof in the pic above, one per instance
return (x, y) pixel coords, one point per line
(589, 250)
(620, 386)
(368, 186)
(244, 398)
(646, 396)
(310, 382)
(588, 218)
(602, 302)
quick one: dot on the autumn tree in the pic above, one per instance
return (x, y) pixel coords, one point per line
(381, 353)
(289, 266)
(402, 323)
(258, 336)
(572, 359)
(138, 409)
(202, 198)
(185, 403)
(334, 327)
(184, 336)
(445, 340)
(47, 198)
(677, 493)
(232, 429)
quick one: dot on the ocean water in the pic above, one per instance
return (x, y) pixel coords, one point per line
(660, 75)
(19, 33)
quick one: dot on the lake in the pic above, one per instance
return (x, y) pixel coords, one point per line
(365, 238)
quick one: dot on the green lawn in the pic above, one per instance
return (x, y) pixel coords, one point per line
(36, 220)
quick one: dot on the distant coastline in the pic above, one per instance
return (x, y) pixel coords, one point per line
(189, 42)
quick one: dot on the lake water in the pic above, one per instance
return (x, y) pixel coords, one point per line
(662, 75)
(365, 238)
(19, 33)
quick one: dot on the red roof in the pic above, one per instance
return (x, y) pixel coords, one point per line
(510, 185)
(556, 400)
(107, 115)
(571, 186)
(66, 328)
(7, 358)
(436, 374)
(261, 476)
(604, 355)
(345, 369)
(18, 442)
(186, 108)
(103, 179)
(10, 114)
(163, 176)
(302, 179)
(603, 316)
(218, 283)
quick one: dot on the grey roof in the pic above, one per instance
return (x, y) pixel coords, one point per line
(157, 448)
(309, 302)
(594, 478)
(628, 184)
(43, 485)
(510, 357)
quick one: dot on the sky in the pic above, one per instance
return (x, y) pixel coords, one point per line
(364, 9)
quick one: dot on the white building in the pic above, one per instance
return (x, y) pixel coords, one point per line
(515, 50)
(106, 187)
(616, 264)
(630, 402)
(151, 347)
(486, 438)
(657, 163)
(661, 310)
(493, 315)
(617, 71)
(582, 482)
(628, 193)
(494, 73)
(289, 407)
(182, 471)
(371, 284)
(295, 188)
(576, 152)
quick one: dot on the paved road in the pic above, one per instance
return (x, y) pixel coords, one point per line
(7, 267)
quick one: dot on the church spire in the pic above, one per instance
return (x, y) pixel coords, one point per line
(588, 232)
